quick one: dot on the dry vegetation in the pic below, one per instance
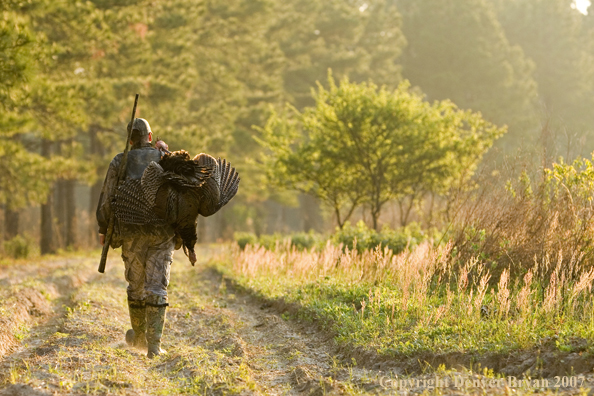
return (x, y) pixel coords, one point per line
(547, 215)
(425, 304)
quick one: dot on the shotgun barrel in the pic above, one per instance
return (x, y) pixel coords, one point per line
(119, 180)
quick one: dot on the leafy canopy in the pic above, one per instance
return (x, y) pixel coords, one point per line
(361, 144)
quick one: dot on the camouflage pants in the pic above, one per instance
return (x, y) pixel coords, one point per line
(147, 260)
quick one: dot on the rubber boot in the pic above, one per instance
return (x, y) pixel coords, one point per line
(155, 321)
(136, 336)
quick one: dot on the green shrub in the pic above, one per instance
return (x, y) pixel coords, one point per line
(367, 238)
(245, 238)
(269, 242)
(305, 241)
(360, 237)
(17, 247)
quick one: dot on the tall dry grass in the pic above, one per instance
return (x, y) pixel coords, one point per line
(548, 215)
(411, 271)
(427, 286)
(517, 273)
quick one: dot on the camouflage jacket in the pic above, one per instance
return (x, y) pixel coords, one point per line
(138, 159)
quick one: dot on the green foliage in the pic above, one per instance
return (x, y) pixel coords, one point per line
(245, 238)
(300, 240)
(304, 241)
(24, 177)
(364, 144)
(362, 238)
(16, 60)
(359, 237)
(358, 40)
(574, 181)
(208, 72)
(17, 248)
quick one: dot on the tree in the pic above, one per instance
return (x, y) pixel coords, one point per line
(557, 39)
(458, 50)
(364, 144)
(359, 39)
(40, 101)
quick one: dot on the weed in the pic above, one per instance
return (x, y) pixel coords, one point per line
(21, 332)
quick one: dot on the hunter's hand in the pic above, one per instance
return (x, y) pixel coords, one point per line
(102, 239)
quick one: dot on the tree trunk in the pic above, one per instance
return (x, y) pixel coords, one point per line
(65, 207)
(375, 219)
(70, 213)
(338, 219)
(11, 216)
(60, 212)
(96, 150)
(11, 223)
(46, 245)
(375, 211)
(404, 219)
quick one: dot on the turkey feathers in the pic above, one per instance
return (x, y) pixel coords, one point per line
(178, 189)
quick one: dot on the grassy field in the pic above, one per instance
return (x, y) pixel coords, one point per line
(423, 304)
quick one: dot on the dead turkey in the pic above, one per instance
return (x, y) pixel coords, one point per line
(177, 190)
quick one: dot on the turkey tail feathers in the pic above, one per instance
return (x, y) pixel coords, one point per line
(225, 179)
(131, 206)
(229, 182)
(152, 179)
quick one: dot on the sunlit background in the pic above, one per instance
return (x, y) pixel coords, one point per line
(252, 81)
(582, 5)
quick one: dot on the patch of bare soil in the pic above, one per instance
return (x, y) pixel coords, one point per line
(32, 298)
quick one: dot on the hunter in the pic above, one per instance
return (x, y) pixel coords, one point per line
(147, 250)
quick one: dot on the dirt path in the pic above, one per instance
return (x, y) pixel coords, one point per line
(66, 324)
(287, 357)
(218, 342)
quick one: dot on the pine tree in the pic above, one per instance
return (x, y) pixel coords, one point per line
(361, 40)
(555, 36)
(458, 50)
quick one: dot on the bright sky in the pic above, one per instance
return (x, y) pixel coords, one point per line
(582, 5)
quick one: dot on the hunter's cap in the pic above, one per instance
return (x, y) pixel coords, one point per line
(142, 126)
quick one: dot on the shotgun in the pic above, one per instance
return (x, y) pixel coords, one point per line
(119, 180)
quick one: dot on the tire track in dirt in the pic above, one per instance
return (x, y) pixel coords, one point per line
(52, 357)
(286, 357)
(84, 352)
